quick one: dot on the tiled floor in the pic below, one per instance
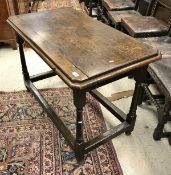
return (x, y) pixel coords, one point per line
(138, 154)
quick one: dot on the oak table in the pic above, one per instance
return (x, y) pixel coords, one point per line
(85, 54)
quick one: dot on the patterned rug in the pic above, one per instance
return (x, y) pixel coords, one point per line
(31, 145)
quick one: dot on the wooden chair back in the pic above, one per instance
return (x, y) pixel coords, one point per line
(162, 12)
(137, 3)
(158, 6)
(143, 6)
(150, 7)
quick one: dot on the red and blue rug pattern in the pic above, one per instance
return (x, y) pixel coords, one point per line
(31, 145)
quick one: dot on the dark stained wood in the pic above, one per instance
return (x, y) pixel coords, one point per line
(144, 26)
(7, 35)
(144, 4)
(163, 13)
(79, 102)
(79, 50)
(148, 26)
(51, 113)
(42, 76)
(110, 106)
(140, 78)
(161, 73)
(164, 117)
(118, 4)
(112, 133)
(86, 54)
(116, 16)
(88, 6)
(105, 6)
(167, 2)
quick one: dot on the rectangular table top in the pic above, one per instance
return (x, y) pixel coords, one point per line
(79, 47)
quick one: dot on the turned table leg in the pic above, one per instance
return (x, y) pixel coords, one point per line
(23, 60)
(140, 77)
(79, 102)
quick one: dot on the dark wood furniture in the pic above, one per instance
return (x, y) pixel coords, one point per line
(85, 54)
(89, 6)
(7, 35)
(115, 16)
(146, 26)
(144, 7)
(160, 72)
(113, 5)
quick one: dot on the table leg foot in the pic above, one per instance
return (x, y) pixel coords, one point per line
(80, 159)
(163, 118)
(157, 135)
(28, 90)
(170, 140)
(131, 117)
(128, 133)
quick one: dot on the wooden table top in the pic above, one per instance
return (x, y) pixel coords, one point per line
(79, 47)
